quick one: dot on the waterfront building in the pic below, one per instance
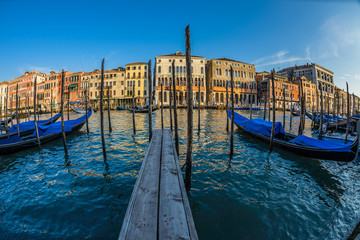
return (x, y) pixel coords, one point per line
(281, 83)
(164, 76)
(53, 88)
(26, 88)
(136, 77)
(113, 79)
(218, 76)
(319, 75)
(3, 90)
(309, 90)
(72, 87)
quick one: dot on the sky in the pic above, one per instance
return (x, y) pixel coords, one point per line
(75, 35)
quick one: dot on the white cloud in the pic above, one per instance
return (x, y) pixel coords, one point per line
(23, 69)
(278, 58)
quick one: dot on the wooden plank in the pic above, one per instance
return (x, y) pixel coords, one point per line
(142, 213)
(189, 217)
(172, 216)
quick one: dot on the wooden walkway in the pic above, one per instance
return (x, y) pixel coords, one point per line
(159, 207)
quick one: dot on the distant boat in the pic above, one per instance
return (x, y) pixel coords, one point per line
(78, 110)
(295, 112)
(144, 110)
(302, 145)
(3, 123)
(47, 133)
(120, 108)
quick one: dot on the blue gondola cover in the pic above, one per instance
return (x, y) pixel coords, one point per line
(325, 145)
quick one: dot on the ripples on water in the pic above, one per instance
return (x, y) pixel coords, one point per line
(256, 195)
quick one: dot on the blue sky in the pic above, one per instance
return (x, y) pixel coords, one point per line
(76, 35)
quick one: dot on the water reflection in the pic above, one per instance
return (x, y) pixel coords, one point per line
(45, 196)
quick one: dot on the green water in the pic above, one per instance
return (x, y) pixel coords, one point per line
(256, 195)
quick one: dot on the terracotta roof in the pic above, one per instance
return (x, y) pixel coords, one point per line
(175, 55)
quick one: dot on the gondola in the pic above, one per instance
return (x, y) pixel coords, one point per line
(27, 128)
(47, 133)
(295, 113)
(78, 110)
(120, 108)
(7, 121)
(302, 145)
(145, 110)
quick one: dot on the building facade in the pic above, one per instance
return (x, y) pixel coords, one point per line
(3, 96)
(163, 77)
(319, 75)
(218, 77)
(136, 78)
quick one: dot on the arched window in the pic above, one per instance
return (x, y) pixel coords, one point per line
(181, 69)
(214, 83)
(159, 82)
(177, 69)
(159, 69)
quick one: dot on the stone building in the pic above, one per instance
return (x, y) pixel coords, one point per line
(3, 96)
(218, 76)
(319, 75)
(164, 77)
(136, 77)
(113, 79)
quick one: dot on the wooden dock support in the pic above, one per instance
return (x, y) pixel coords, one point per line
(68, 104)
(232, 113)
(102, 109)
(175, 109)
(6, 110)
(291, 109)
(150, 100)
(199, 104)
(51, 104)
(108, 103)
(189, 110)
(301, 94)
(62, 112)
(251, 102)
(159, 207)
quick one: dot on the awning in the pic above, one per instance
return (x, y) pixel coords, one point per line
(73, 85)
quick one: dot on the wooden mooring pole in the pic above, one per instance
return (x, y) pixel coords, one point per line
(284, 107)
(251, 102)
(86, 111)
(328, 111)
(175, 108)
(227, 106)
(133, 108)
(17, 110)
(102, 109)
(68, 103)
(28, 105)
(6, 110)
(108, 103)
(265, 100)
(62, 112)
(189, 110)
(301, 127)
(273, 109)
(321, 112)
(199, 103)
(170, 110)
(232, 113)
(269, 95)
(150, 100)
(348, 112)
(291, 109)
(162, 106)
(51, 104)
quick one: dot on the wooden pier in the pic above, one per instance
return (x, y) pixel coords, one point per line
(159, 207)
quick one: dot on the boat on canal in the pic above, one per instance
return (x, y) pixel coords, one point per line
(144, 110)
(302, 145)
(47, 133)
(27, 128)
(7, 121)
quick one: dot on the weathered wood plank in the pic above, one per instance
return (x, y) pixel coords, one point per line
(189, 217)
(172, 216)
(142, 213)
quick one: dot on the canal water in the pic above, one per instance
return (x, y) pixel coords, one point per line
(256, 195)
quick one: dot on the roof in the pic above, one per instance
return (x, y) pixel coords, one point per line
(136, 63)
(228, 59)
(177, 54)
(4, 82)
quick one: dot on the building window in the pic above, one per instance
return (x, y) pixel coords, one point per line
(202, 70)
(139, 83)
(114, 92)
(138, 92)
(177, 69)
(169, 69)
